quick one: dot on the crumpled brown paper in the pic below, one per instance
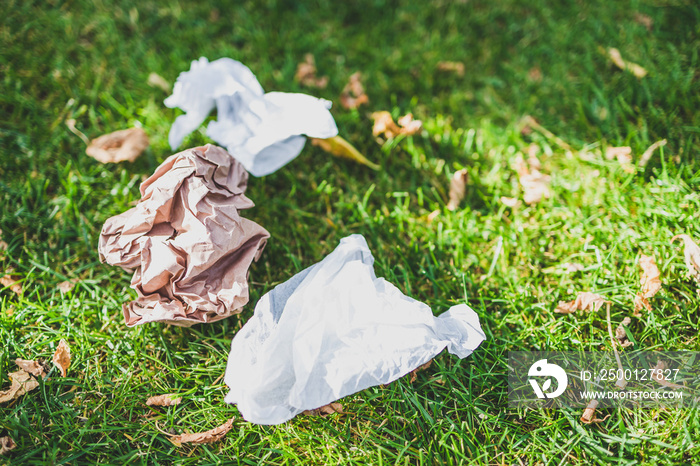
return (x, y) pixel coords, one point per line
(187, 241)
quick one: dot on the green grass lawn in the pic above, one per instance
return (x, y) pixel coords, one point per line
(90, 61)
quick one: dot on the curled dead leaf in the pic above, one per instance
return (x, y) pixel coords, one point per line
(452, 67)
(646, 156)
(353, 94)
(509, 201)
(66, 286)
(644, 20)
(433, 215)
(384, 125)
(3, 245)
(6, 445)
(169, 399)
(458, 186)
(341, 148)
(585, 300)
(588, 416)
(691, 252)
(572, 267)
(21, 382)
(156, 80)
(621, 334)
(306, 73)
(650, 281)
(61, 358)
(330, 408)
(422, 367)
(126, 144)
(210, 436)
(11, 282)
(31, 367)
(633, 68)
(623, 155)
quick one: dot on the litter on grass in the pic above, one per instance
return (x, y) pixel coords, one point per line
(186, 240)
(332, 330)
(263, 130)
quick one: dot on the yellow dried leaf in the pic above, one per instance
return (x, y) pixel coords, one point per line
(210, 436)
(623, 155)
(67, 285)
(509, 201)
(633, 68)
(692, 255)
(341, 148)
(451, 66)
(588, 416)
(384, 125)
(646, 156)
(458, 186)
(650, 281)
(126, 144)
(306, 73)
(535, 187)
(169, 399)
(6, 444)
(353, 94)
(585, 300)
(330, 408)
(22, 382)
(61, 358)
(32, 367)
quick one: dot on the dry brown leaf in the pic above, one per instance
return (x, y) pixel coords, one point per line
(61, 358)
(644, 20)
(12, 282)
(535, 74)
(330, 408)
(588, 416)
(341, 148)
(169, 399)
(646, 156)
(384, 125)
(67, 285)
(156, 80)
(623, 155)
(621, 335)
(433, 215)
(451, 66)
(353, 94)
(32, 367)
(458, 186)
(22, 382)
(535, 186)
(3, 245)
(126, 144)
(585, 300)
(692, 255)
(306, 73)
(658, 374)
(210, 436)
(509, 201)
(6, 444)
(633, 68)
(650, 281)
(422, 367)
(572, 267)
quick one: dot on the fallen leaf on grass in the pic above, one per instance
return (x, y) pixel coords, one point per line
(384, 125)
(6, 444)
(156, 80)
(126, 144)
(657, 374)
(12, 282)
(572, 267)
(61, 358)
(633, 68)
(3, 245)
(306, 73)
(650, 281)
(509, 201)
(169, 399)
(330, 408)
(31, 367)
(353, 94)
(646, 156)
(451, 66)
(422, 367)
(67, 285)
(341, 148)
(588, 416)
(535, 186)
(210, 436)
(623, 155)
(621, 334)
(458, 186)
(585, 300)
(535, 74)
(644, 20)
(692, 255)
(22, 382)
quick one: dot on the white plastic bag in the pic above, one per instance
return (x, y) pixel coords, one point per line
(262, 131)
(332, 330)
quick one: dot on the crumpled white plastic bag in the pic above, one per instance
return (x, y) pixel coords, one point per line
(332, 330)
(262, 131)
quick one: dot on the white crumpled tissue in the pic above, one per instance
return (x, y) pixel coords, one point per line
(262, 131)
(332, 330)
